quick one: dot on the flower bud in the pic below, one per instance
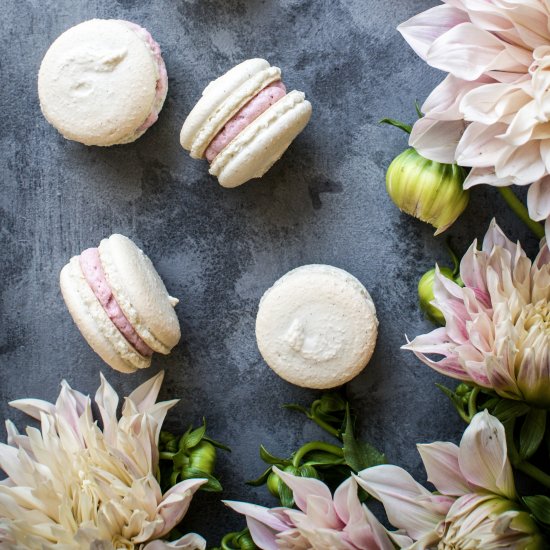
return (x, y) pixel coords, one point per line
(428, 190)
(426, 294)
(203, 457)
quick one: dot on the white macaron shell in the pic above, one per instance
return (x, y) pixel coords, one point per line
(215, 94)
(140, 293)
(316, 327)
(97, 82)
(94, 323)
(254, 151)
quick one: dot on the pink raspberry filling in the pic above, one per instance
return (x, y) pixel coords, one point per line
(162, 82)
(90, 263)
(250, 112)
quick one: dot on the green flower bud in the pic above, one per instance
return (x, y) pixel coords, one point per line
(203, 457)
(427, 190)
(308, 471)
(426, 294)
(273, 484)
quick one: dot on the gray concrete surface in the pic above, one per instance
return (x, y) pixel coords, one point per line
(218, 249)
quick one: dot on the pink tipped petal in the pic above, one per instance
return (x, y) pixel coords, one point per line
(423, 29)
(175, 503)
(400, 493)
(437, 139)
(145, 396)
(495, 237)
(33, 407)
(259, 513)
(538, 199)
(303, 488)
(483, 456)
(441, 463)
(190, 541)
(377, 538)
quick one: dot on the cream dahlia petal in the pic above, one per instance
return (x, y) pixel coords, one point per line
(400, 493)
(437, 139)
(487, 176)
(468, 52)
(190, 541)
(33, 407)
(538, 199)
(444, 103)
(524, 163)
(423, 29)
(483, 457)
(441, 463)
(145, 396)
(480, 146)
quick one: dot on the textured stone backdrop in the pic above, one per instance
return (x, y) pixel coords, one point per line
(217, 249)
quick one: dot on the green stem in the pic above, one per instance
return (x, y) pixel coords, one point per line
(163, 455)
(315, 446)
(521, 211)
(535, 473)
(472, 403)
(327, 427)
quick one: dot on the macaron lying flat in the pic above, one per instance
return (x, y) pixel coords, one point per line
(316, 326)
(120, 304)
(244, 122)
(103, 82)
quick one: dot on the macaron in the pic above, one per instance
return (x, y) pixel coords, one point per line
(316, 326)
(244, 122)
(103, 82)
(120, 304)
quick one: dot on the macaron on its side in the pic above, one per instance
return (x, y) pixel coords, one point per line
(140, 293)
(254, 151)
(214, 95)
(316, 327)
(94, 323)
(102, 82)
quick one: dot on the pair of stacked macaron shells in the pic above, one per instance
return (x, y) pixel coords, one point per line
(104, 82)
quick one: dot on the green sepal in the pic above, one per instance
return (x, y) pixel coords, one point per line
(260, 480)
(539, 506)
(506, 409)
(268, 458)
(532, 433)
(401, 125)
(212, 486)
(193, 438)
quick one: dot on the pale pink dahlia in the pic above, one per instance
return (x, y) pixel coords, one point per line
(71, 485)
(497, 332)
(476, 504)
(492, 112)
(321, 522)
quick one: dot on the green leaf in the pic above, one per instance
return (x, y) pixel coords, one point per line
(540, 508)
(192, 439)
(212, 486)
(260, 480)
(508, 409)
(419, 112)
(359, 454)
(217, 444)
(268, 458)
(405, 127)
(532, 433)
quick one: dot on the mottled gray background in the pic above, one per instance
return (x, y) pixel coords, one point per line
(218, 249)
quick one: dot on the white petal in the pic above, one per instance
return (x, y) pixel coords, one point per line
(400, 494)
(538, 199)
(479, 146)
(421, 30)
(145, 396)
(437, 139)
(486, 176)
(441, 462)
(483, 456)
(303, 488)
(524, 163)
(191, 541)
(33, 407)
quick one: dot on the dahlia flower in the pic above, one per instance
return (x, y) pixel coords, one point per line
(492, 111)
(475, 506)
(71, 485)
(321, 522)
(497, 332)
